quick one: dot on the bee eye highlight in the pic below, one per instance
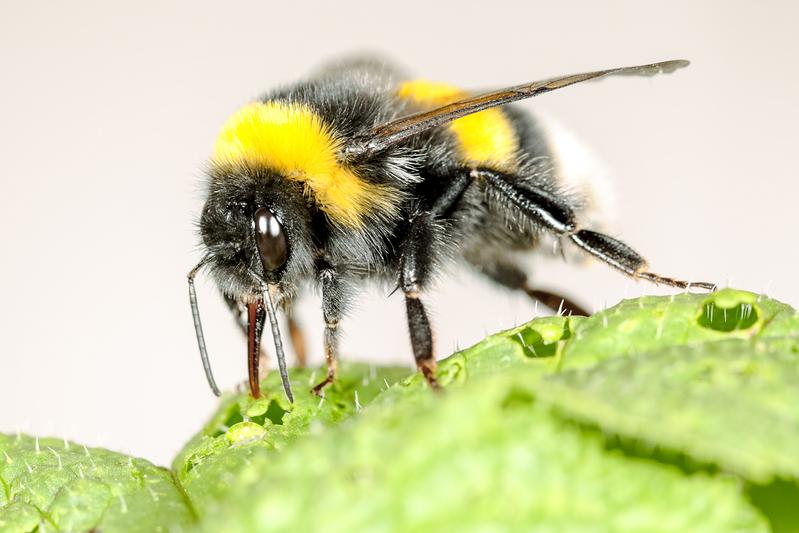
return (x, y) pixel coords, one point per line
(270, 239)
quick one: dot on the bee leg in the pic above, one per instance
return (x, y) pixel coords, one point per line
(416, 263)
(333, 299)
(554, 214)
(415, 266)
(239, 311)
(620, 256)
(512, 276)
(421, 338)
(297, 341)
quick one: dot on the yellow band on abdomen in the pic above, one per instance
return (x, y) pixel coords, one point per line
(484, 138)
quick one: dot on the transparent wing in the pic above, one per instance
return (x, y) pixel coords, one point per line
(390, 133)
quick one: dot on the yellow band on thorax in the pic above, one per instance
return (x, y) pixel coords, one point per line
(484, 138)
(294, 141)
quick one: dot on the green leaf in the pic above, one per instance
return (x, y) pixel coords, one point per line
(483, 456)
(58, 485)
(653, 322)
(505, 447)
(733, 403)
(244, 429)
(659, 414)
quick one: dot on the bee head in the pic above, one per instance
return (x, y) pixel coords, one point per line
(255, 226)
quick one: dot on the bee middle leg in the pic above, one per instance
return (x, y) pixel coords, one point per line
(416, 263)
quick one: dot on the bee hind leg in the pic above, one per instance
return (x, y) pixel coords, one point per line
(510, 275)
(615, 253)
(555, 215)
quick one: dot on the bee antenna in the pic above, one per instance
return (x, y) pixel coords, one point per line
(198, 328)
(281, 356)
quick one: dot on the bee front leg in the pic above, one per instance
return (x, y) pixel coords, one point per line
(333, 301)
(415, 267)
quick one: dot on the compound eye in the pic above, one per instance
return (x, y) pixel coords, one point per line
(270, 240)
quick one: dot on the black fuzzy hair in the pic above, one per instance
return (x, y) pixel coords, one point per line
(351, 98)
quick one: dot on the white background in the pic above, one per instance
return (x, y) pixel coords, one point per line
(109, 109)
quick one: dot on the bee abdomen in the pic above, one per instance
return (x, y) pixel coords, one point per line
(484, 139)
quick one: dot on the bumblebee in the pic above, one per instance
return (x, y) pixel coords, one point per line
(355, 174)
